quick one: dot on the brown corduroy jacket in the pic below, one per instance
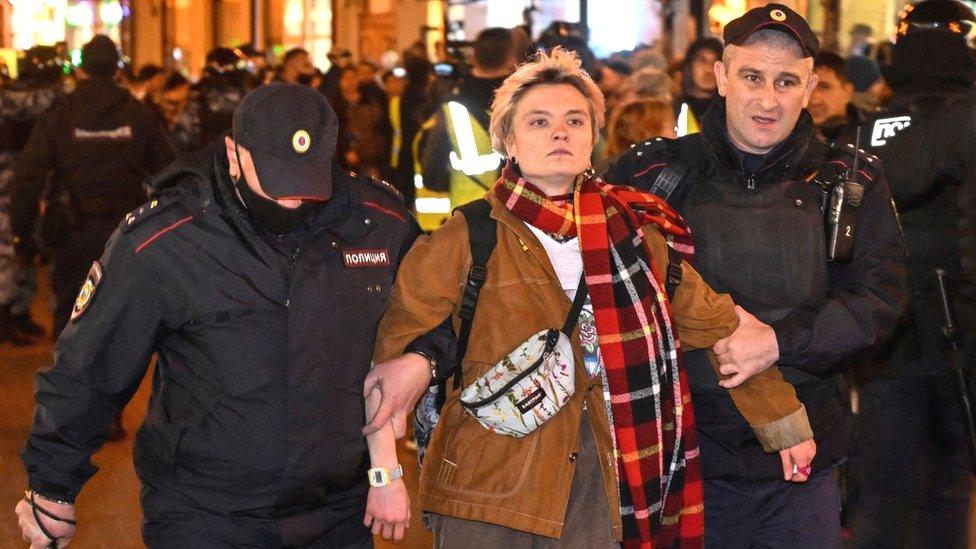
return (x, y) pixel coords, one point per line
(524, 483)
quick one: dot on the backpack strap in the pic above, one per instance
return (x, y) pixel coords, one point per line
(482, 238)
(670, 177)
(675, 273)
(672, 184)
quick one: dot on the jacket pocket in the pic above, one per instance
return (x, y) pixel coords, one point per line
(479, 462)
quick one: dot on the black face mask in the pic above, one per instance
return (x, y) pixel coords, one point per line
(269, 214)
(305, 79)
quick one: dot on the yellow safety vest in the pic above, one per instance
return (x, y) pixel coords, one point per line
(395, 122)
(687, 123)
(474, 166)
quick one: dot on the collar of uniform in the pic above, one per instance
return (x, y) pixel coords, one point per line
(714, 133)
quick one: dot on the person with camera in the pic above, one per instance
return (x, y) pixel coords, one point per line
(97, 145)
(748, 186)
(913, 466)
(447, 164)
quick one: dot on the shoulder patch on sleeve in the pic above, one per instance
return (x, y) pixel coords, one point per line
(92, 281)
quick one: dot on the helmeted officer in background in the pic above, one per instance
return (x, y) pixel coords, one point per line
(452, 148)
(257, 274)
(97, 145)
(913, 466)
(745, 185)
(37, 87)
(227, 77)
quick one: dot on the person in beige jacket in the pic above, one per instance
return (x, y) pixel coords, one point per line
(571, 480)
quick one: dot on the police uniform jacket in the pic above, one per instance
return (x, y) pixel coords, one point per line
(759, 235)
(926, 136)
(262, 343)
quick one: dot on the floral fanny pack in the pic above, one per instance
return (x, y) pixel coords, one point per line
(530, 384)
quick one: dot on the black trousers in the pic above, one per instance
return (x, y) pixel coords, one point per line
(912, 467)
(773, 514)
(171, 522)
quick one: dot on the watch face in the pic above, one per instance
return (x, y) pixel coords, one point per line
(378, 477)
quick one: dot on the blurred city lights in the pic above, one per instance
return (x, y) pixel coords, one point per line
(110, 13)
(80, 15)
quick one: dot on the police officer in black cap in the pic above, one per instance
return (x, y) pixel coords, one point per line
(747, 185)
(257, 274)
(96, 145)
(914, 479)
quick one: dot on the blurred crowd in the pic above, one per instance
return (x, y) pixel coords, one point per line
(404, 117)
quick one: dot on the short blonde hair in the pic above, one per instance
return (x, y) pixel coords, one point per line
(557, 67)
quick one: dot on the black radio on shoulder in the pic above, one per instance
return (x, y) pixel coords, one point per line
(842, 209)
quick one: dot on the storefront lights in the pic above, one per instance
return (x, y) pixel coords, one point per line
(80, 15)
(110, 13)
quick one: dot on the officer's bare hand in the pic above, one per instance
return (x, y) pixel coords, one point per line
(401, 381)
(32, 533)
(797, 460)
(388, 510)
(750, 349)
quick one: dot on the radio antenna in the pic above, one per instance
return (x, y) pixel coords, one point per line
(857, 147)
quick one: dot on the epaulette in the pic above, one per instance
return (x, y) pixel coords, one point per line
(842, 158)
(652, 146)
(382, 184)
(147, 210)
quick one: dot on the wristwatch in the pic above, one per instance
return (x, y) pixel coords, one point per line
(381, 476)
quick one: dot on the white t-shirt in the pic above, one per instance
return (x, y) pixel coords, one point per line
(567, 260)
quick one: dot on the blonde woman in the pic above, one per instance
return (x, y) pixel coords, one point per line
(618, 462)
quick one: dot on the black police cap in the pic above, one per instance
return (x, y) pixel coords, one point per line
(773, 16)
(290, 131)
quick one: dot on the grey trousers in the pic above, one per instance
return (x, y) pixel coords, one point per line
(587, 524)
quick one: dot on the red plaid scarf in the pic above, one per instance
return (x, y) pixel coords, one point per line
(653, 423)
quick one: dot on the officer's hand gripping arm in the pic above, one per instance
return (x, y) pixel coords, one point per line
(767, 402)
(419, 304)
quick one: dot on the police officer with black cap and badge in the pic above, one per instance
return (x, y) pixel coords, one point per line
(913, 467)
(257, 274)
(755, 187)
